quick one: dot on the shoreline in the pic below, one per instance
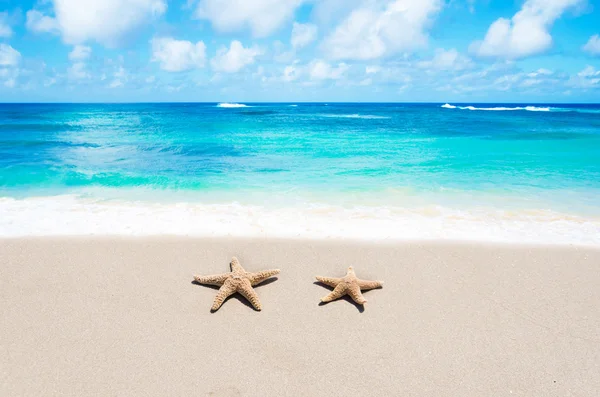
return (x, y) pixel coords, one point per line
(69, 216)
(111, 316)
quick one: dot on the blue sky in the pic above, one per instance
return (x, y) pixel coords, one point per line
(300, 50)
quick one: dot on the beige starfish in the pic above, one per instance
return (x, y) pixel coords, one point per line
(348, 285)
(238, 280)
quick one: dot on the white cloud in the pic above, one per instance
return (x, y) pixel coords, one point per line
(589, 71)
(320, 70)
(447, 60)
(235, 58)
(290, 73)
(120, 78)
(527, 33)
(379, 28)
(303, 34)
(9, 76)
(5, 29)
(40, 23)
(8, 55)
(178, 55)
(593, 45)
(78, 71)
(105, 21)
(587, 78)
(540, 72)
(80, 53)
(263, 17)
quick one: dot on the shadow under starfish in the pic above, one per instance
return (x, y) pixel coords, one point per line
(348, 286)
(237, 297)
(360, 308)
(238, 281)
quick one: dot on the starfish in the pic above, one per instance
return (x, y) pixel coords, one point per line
(238, 280)
(348, 285)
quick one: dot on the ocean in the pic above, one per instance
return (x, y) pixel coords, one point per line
(380, 171)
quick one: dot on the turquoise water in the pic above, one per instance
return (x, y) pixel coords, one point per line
(457, 156)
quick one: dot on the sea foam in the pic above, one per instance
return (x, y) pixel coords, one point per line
(72, 215)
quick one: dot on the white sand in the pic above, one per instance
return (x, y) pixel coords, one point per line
(121, 317)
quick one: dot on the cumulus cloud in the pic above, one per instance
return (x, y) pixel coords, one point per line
(593, 45)
(303, 34)
(449, 60)
(104, 21)
(178, 55)
(378, 28)
(321, 70)
(527, 33)
(235, 58)
(40, 23)
(9, 56)
(262, 17)
(5, 29)
(80, 53)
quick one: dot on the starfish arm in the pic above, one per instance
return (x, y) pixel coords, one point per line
(330, 281)
(247, 292)
(257, 278)
(337, 292)
(235, 265)
(217, 279)
(365, 284)
(225, 291)
(356, 295)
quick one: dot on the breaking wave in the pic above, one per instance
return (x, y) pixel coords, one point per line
(499, 108)
(231, 105)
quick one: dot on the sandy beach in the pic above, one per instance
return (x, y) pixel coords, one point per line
(121, 317)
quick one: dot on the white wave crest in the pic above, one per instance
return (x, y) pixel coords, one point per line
(500, 108)
(353, 116)
(231, 105)
(536, 109)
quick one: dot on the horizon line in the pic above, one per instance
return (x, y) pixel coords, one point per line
(298, 102)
